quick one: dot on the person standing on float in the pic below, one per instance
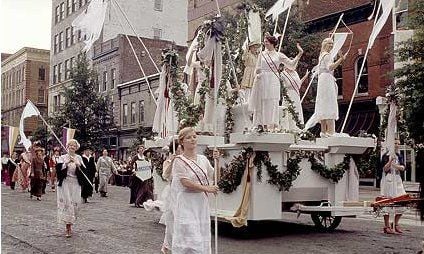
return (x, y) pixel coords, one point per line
(266, 95)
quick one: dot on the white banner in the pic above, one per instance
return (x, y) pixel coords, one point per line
(386, 6)
(29, 110)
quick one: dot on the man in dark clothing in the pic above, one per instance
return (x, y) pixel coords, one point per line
(89, 171)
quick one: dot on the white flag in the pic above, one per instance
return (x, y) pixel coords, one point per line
(386, 6)
(339, 40)
(391, 130)
(279, 7)
(91, 21)
(29, 110)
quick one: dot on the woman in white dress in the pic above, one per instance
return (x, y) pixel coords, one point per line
(70, 178)
(392, 186)
(292, 82)
(191, 188)
(326, 107)
(266, 89)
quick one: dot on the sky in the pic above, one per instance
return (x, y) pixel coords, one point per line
(25, 23)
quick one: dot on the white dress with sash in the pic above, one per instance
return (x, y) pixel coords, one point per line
(192, 232)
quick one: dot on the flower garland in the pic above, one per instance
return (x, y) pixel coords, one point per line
(334, 174)
(233, 172)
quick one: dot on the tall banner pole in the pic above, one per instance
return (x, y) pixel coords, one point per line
(359, 76)
(284, 29)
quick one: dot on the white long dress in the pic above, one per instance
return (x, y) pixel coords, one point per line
(265, 95)
(192, 232)
(391, 186)
(292, 83)
(326, 106)
(69, 194)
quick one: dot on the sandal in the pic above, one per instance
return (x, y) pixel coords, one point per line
(388, 230)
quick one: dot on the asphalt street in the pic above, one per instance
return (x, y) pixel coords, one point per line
(111, 225)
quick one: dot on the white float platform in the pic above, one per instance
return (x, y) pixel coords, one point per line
(263, 141)
(347, 145)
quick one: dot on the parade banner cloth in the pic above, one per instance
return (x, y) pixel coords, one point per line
(67, 134)
(391, 130)
(279, 7)
(29, 110)
(13, 137)
(91, 22)
(339, 40)
(143, 170)
(386, 6)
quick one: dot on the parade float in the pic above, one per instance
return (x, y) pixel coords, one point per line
(261, 175)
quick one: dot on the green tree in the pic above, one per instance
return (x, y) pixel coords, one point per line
(410, 82)
(85, 110)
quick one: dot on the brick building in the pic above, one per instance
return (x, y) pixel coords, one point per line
(24, 76)
(155, 19)
(120, 78)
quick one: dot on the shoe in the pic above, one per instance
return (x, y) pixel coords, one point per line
(388, 230)
(38, 198)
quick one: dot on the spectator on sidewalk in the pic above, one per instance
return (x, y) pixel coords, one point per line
(12, 164)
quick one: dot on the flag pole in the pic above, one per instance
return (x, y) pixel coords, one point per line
(337, 25)
(60, 142)
(276, 24)
(284, 29)
(359, 76)
(135, 55)
(216, 88)
(307, 88)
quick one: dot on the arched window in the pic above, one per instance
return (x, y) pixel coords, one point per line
(363, 82)
(338, 74)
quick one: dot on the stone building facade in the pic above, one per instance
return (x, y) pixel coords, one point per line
(24, 76)
(120, 78)
(155, 19)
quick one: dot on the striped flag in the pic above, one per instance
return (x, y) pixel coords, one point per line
(67, 134)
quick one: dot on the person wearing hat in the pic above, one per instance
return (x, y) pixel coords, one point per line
(38, 174)
(250, 57)
(89, 171)
(53, 162)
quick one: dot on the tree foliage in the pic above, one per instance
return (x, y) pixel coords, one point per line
(85, 110)
(410, 78)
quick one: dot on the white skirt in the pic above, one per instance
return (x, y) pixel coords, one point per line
(68, 200)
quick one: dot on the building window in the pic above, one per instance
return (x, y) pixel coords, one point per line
(158, 5)
(72, 35)
(59, 72)
(41, 73)
(338, 74)
(55, 74)
(401, 13)
(68, 37)
(132, 112)
(56, 16)
(363, 81)
(56, 43)
(125, 114)
(72, 63)
(67, 69)
(74, 5)
(157, 33)
(40, 95)
(104, 80)
(60, 41)
(68, 7)
(141, 111)
(80, 3)
(112, 78)
(62, 11)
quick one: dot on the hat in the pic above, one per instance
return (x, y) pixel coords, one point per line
(252, 43)
(37, 149)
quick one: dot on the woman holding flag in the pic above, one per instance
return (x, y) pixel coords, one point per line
(191, 187)
(70, 180)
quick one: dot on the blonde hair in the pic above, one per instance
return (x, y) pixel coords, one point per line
(73, 141)
(183, 134)
(324, 44)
